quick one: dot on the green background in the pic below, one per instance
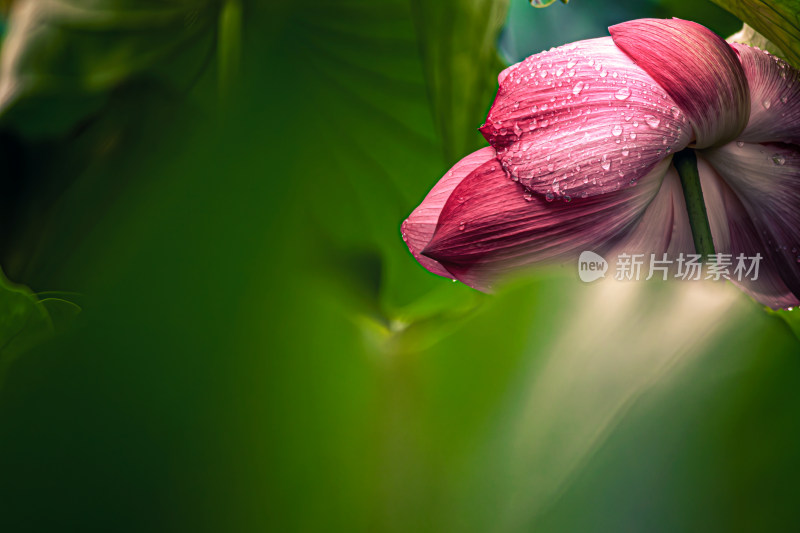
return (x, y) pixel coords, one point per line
(258, 351)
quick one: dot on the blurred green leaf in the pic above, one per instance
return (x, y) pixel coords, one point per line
(545, 3)
(458, 44)
(60, 58)
(777, 20)
(751, 37)
(262, 353)
(26, 321)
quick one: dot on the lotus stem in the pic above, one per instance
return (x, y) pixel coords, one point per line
(685, 162)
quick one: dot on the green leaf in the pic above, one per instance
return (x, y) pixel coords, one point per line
(458, 45)
(61, 58)
(262, 353)
(26, 321)
(751, 37)
(545, 3)
(777, 20)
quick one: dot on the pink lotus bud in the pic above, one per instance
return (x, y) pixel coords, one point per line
(582, 139)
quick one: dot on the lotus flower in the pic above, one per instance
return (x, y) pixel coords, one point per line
(582, 140)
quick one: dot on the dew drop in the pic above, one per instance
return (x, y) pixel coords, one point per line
(633, 136)
(616, 131)
(740, 144)
(605, 164)
(571, 63)
(622, 94)
(767, 104)
(462, 226)
(675, 111)
(578, 88)
(549, 197)
(528, 196)
(784, 99)
(778, 159)
(625, 151)
(652, 121)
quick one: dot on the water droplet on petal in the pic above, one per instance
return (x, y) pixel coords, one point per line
(652, 121)
(571, 63)
(675, 111)
(739, 144)
(767, 104)
(528, 196)
(623, 94)
(633, 136)
(578, 88)
(549, 197)
(625, 151)
(784, 99)
(616, 131)
(778, 159)
(461, 226)
(605, 164)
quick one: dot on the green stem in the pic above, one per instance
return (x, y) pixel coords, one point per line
(229, 47)
(685, 162)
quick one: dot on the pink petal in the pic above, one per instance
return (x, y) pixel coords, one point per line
(774, 97)
(765, 181)
(418, 228)
(582, 120)
(664, 225)
(490, 225)
(505, 72)
(697, 68)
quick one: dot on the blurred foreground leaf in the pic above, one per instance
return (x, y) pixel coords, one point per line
(262, 353)
(60, 58)
(26, 321)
